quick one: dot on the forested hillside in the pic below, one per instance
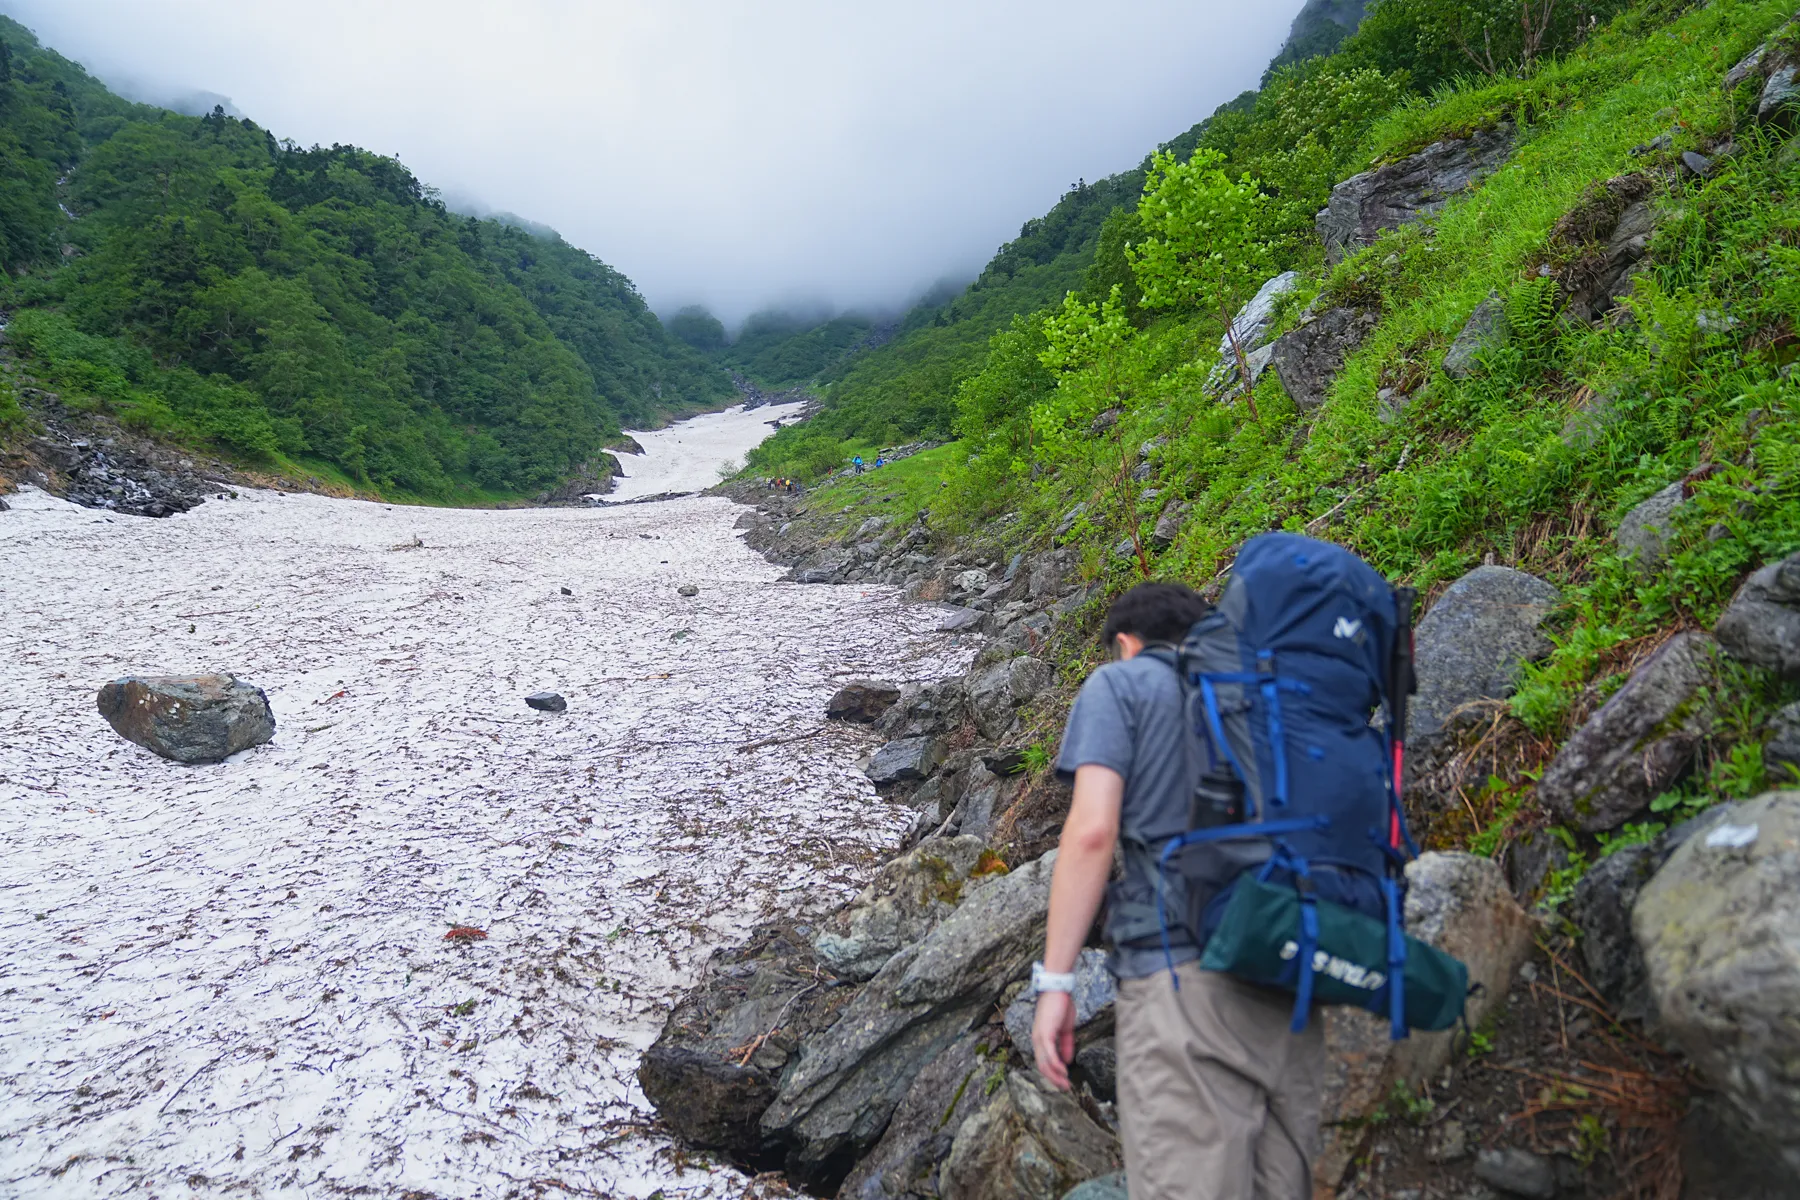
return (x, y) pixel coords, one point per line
(199, 278)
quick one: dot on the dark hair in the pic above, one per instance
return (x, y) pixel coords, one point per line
(1156, 612)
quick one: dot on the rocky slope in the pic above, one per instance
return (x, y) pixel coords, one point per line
(1624, 1038)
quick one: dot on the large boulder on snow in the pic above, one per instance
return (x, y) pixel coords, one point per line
(1471, 643)
(1717, 926)
(836, 1100)
(1761, 626)
(1638, 743)
(1459, 903)
(188, 718)
(902, 903)
(862, 701)
(1309, 357)
(1030, 1142)
(1401, 192)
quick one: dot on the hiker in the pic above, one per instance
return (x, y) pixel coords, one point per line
(857, 463)
(1247, 896)
(1216, 1097)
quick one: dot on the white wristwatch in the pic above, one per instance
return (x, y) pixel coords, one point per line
(1050, 981)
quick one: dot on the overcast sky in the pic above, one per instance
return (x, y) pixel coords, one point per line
(726, 153)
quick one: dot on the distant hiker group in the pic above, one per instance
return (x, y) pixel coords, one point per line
(783, 485)
(1228, 755)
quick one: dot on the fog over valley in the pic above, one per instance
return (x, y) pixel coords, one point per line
(798, 154)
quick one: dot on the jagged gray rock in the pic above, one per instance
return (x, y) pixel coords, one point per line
(1251, 327)
(1401, 192)
(1168, 524)
(1601, 909)
(188, 718)
(1308, 358)
(862, 701)
(1470, 645)
(906, 1162)
(1761, 626)
(1029, 1143)
(836, 1099)
(1633, 748)
(908, 760)
(997, 694)
(922, 711)
(1782, 749)
(1107, 1187)
(904, 901)
(1486, 329)
(717, 1064)
(1517, 1172)
(1716, 925)
(550, 702)
(1644, 534)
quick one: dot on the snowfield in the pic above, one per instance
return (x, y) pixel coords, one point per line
(234, 979)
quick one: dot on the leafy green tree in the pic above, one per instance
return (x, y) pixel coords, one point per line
(1203, 246)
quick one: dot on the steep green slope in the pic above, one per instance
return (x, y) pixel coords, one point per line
(200, 278)
(904, 389)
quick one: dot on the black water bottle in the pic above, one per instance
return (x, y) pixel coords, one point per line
(1218, 800)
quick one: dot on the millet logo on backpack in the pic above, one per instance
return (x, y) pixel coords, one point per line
(1346, 628)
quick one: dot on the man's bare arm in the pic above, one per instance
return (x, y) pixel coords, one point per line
(1083, 863)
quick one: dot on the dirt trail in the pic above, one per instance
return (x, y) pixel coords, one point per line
(239, 973)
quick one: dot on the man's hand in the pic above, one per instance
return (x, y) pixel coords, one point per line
(1053, 1036)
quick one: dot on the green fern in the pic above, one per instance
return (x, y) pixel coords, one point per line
(1531, 314)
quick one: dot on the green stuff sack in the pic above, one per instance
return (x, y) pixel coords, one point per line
(1258, 940)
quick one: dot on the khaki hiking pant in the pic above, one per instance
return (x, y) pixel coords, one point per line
(1218, 1100)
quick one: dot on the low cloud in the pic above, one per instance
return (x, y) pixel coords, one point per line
(717, 152)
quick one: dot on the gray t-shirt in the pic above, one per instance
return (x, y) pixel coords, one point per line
(1130, 717)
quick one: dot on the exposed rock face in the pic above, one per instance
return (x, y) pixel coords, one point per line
(1486, 329)
(1309, 358)
(836, 1100)
(1418, 186)
(1517, 1172)
(1030, 1143)
(907, 1161)
(1640, 740)
(1762, 624)
(597, 477)
(718, 1062)
(1095, 991)
(1782, 749)
(1601, 909)
(1460, 904)
(188, 718)
(1716, 925)
(908, 760)
(922, 711)
(1644, 534)
(1251, 327)
(1471, 643)
(862, 701)
(905, 900)
(996, 695)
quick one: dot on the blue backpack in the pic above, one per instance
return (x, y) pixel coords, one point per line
(1293, 863)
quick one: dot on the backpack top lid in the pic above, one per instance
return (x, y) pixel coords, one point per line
(1295, 597)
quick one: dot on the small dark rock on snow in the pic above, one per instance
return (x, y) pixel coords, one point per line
(547, 701)
(688, 590)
